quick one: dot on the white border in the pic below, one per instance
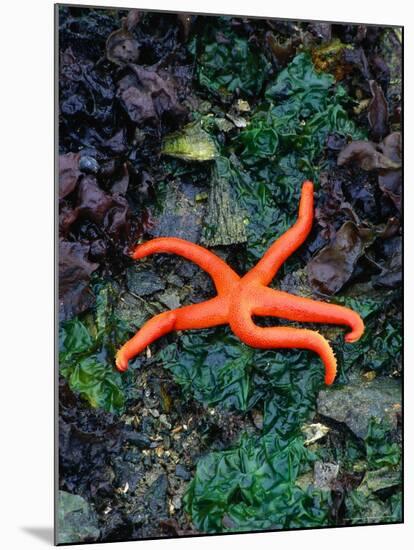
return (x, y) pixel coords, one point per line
(26, 229)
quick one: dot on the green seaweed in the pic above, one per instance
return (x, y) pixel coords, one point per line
(216, 368)
(282, 146)
(266, 164)
(380, 449)
(378, 500)
(252, 487)
(380, 347)
(86, 355)
(229, 64)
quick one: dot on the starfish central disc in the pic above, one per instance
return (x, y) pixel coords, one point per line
(239, 298)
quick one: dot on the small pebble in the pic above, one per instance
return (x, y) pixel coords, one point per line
(140, 440)
(182, 472)
(176, 502)
(163, 420)
(257, 418)
(88, 165)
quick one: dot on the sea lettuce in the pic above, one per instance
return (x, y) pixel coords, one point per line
(283, 145)
(86, 355)
(217, 369)
(229, 64)
(252, 487)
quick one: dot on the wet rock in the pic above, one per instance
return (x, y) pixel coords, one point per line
(325, 474)
(163, 420)
(88, 165)
(371, 497)
(139, 440)
(170, 299)
(382, 480)
(355, 404)
(176, 501)
(182, 472)
(201, 286)
(224, 223)
(257, 418)
(133, 311)
(115, 525)
(156, 496)
(77, 520)
(143, 282)
(369, 376)
(361, 505)
(174, 279)
(181, 215)
(133, 455)
(127, 474)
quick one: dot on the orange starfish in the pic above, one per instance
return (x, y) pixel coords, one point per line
(239, 298)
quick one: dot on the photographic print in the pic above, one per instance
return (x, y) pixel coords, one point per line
(229, 263)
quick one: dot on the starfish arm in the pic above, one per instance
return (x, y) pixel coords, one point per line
(206, 314)
(223, 276)
(288, 337)
(279, 252)
(282, 337)
(295, 308)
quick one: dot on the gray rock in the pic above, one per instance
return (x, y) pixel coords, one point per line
(143, 282)
(133, 455)
(88, 165)
(324, 474)
(77, 520)
(174, 279)
(379, 480)
(127, 474)
(181, 215)
(182, 472)
(356, 403)
(362, 507)
(176, 501)
(224, 223)
(257, 418)
(156, 496)
(369, 506)
(140, 440)
(170, 299)
(133, 311)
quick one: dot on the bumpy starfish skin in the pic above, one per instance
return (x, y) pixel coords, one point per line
(239, 298)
